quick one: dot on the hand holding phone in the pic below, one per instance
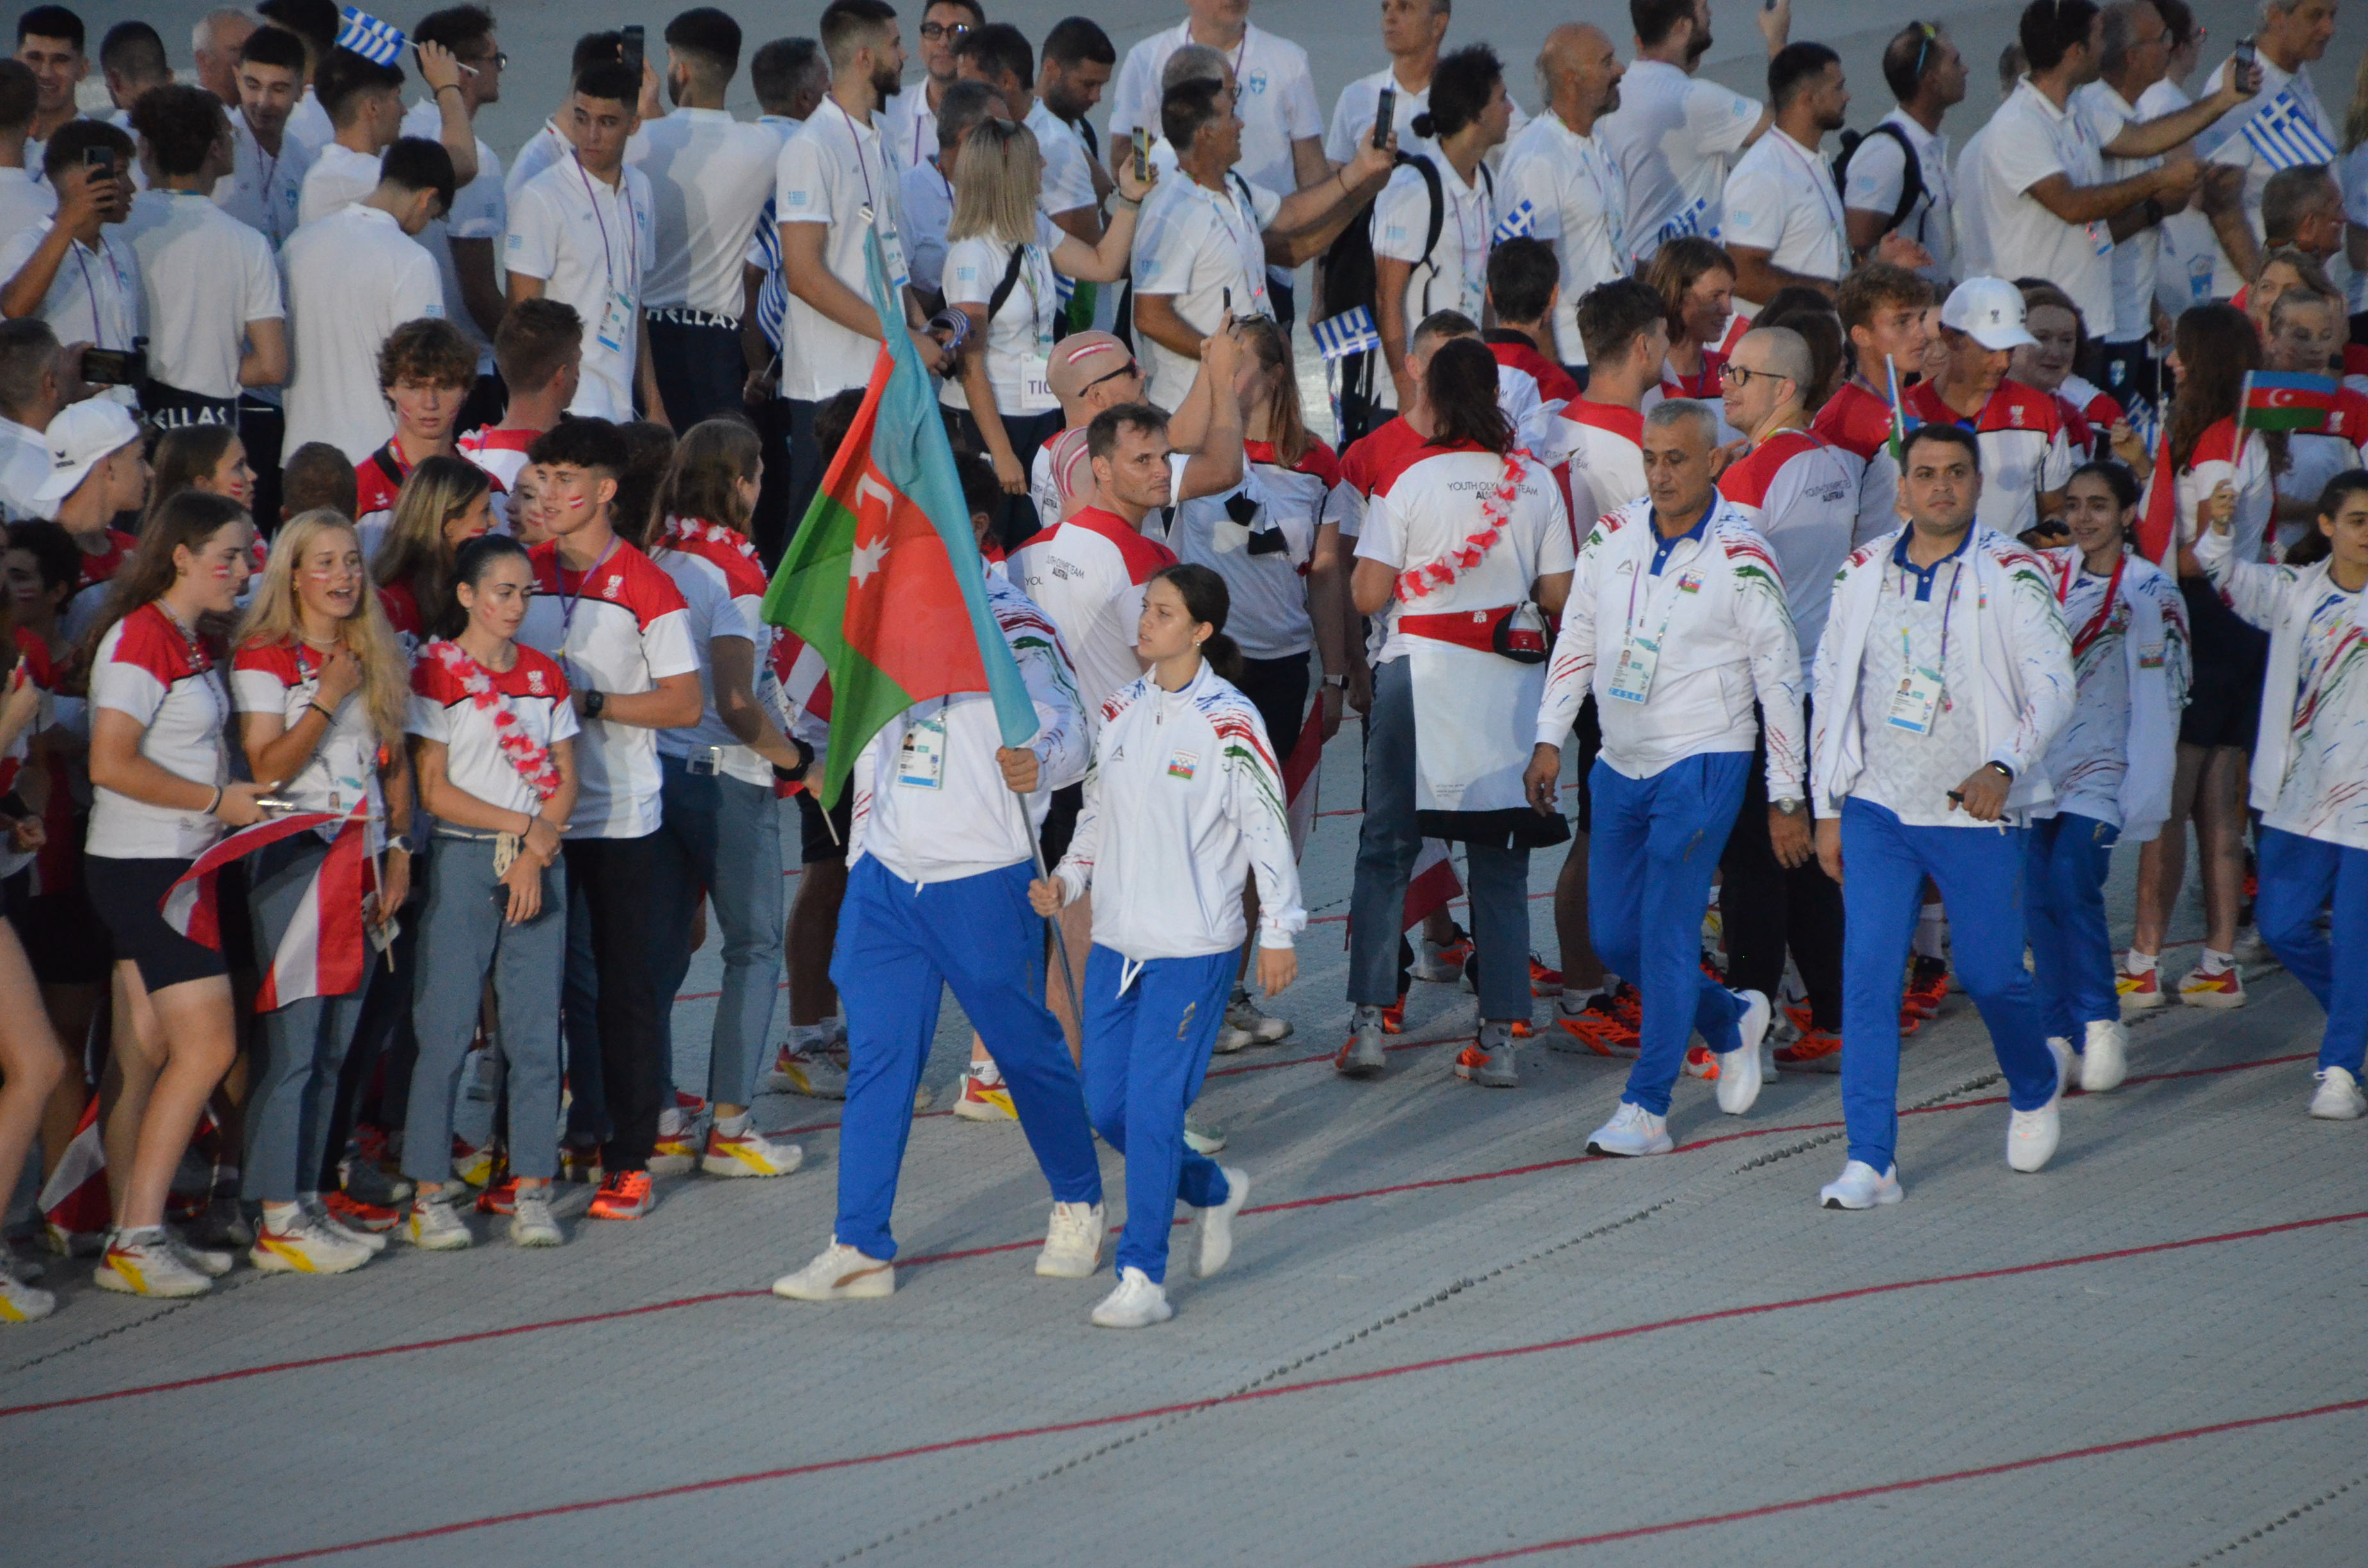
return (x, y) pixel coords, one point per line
(634, 49)
(1143, 154)
(1385, 116)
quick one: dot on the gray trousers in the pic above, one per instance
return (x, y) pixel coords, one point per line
(723, 838)
(303, 1044)
(1497, 879)
(464, 934)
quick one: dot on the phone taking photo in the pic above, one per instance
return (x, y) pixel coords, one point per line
(634, 49)
(114, 367)
(1143, 154)
(99, 161)
(2244, 52)
(1385, 116)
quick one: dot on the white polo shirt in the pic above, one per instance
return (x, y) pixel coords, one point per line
(907, 126)
(95, 298)
(1674, 137)
(2226, 143)
(2137, 261)
(264, 190)
(480, 211)
(1783, 199)
(542, 150)
(709, 175)
(1068, 178)
(1275, 97)
(204, 274)
(24, 201)
(24, 468)
(309, 123)
(1195, 243)
(1581, 205)
(2028, 139)
(1454, 275)
(1878, 173)
(349, 280)
(338, 175)
(2190, 259)
(829, 171)
(593, 243)
(1973, 243)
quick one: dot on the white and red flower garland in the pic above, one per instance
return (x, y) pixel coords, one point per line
(692, 528)
(531, 762)
(1495, 510)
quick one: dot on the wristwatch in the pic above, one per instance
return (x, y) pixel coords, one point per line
(400, 841)
(1790, 805)
(2004, 771)
(1338, 683)
(593, 702)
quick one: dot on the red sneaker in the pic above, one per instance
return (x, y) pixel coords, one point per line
(1543, 981)
(625, 1195)
(355, 1215)
(500, 1197)
(1393, 1016)
(1817, 1051)
(1702, 1063)
(1928, 983)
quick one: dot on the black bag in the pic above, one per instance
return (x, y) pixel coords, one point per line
(1348, 276)
(1911, 177)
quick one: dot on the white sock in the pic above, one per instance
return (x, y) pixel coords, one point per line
(1574, 1000)
(2216, 962)
(279, 1216)
(2136, 963)
(1932, 933)
(732, 1126)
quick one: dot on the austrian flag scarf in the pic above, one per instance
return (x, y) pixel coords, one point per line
(531, 762)
(324, 953)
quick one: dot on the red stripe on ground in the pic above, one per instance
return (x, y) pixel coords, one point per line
(2095, 1450)
(1288, 1390)
(923, 1260)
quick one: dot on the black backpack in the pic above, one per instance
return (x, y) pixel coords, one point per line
(1348, 277)
(1122, 317)
(1911, 175)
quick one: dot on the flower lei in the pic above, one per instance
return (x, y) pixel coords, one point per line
(692, 528)
(1496, 511)
(531, 762)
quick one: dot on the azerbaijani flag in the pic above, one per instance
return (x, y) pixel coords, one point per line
(882, 578)
(2282, 401)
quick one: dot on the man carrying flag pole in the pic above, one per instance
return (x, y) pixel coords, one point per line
(949, 693)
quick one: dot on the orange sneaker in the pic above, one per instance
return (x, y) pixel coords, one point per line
(1928, 983)
(1600, 1027)
(1543, 981)
(2140, 992)
(625, 1195)
(1521, 1029)
(1910, 1021)
(1393, 1016)
(355, 1215)
(500, 1197)
(1814, 1050)
(1702, 1063)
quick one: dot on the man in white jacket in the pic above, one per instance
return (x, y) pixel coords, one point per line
(1943, 676)
(1675, 605)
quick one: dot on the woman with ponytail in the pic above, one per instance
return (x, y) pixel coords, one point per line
(1183, 793)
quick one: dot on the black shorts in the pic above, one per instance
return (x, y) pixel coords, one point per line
(1278, 689)
(1590, 746)
(128, 893)
(1060, 823)
(63, 938)
(2223, 696)
(816, 842)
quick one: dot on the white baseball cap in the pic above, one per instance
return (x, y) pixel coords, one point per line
(82, 436)
(1989, 311)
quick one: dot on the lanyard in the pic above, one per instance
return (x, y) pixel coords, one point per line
(1615, 224)
(1830, 196)
(1226, 204)
(1467, 283)
(608, 259)
(2097, 622)
(1645, 569)
(568, 611)
(98, 326)
(855, 139)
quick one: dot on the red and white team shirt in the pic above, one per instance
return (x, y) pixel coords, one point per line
(2098, 409)
(33, 665)
(1059, 475)
(716, 567)
(284, 678)
(443, 711)
(401, 606)
(622, 627)
(1605, 445)
(98, 569)
(378, 484)
(1800, 492)
(2025, 449)
(502, 453)
(1370, 461)
(2222, 456)
(1088, 573)
(146, 669)
(1429, 509)
(1856, 421)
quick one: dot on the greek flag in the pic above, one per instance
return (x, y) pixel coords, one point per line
(379, 42)
(2286, 137)
(1350, 332)
(1521, 220)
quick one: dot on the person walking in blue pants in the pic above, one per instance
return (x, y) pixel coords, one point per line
(1183, 804)
(1944, 674)
(938, 862)
(1675, 607)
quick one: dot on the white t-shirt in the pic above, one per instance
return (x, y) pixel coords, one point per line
(1783, 199)
(342, 769)
(830, 170)
(264, 190)
(480, 211)
(1673, 137)
(1454, 276)
(2190, 251)
(709, 174)
(1360, 101)
(622, 627)
(1068, 178)
(205, 275)
(2028, 139)
(95, 298)
(1020, 337)
(24, 201)
(24, 469)
(907, 127)
(1878, 174)
(1580, 201)
(1263, 560)
(724, 591)
(1973, 241)
(593, 243)
(1275, 97)
(309, 123)
(2226, 142)
(1425, 512)
(2136, 260)
(1196, 245)
(338, 175)
(542, 150)
(146, 667)
(349, 280)
(474, 764)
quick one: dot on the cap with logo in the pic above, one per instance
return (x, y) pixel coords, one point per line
(1988, 310)
(1084, 357)
(82, 436)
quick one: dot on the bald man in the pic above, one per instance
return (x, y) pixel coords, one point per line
(1561, 168)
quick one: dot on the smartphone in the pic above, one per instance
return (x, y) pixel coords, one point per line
(114, 367)
(1385, 117)
(633, 49)
(2244, 52)
(1143, 154)
(99, 161)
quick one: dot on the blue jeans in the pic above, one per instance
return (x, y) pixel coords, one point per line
(723, 838)
(2299, 876)
(1979, 871)
(303, 1044)
(2064, 908)
(1655, 843)
(900, 946)
(1146, 1049)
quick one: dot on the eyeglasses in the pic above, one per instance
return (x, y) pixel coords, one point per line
(1741, 376)
(936, 31)
(1129, 368)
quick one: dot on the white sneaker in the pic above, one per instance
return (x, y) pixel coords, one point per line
(2338, 1098)
(433, 1227)
(1633, 1131)
(1861, 1187)
(326, 1218)
(1442, 963)
(2251, 950)
(1243, 1012)
(2104, 1055)
(1073, 1242)
(749, 1153)
(1231, 1037)
(2032, 1135)
(531, 1221)
(1202, 1139)
(306, 1246)
(840, 1274)
(1217, 1224)
(1738, 1070)
(143, 1262)
(212, 1262)
(1136, 1303)
(810, 1073)
(676, 1150)
(21, 1302)
(1362, 1057)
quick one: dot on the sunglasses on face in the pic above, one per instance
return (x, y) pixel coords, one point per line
(1129, 368)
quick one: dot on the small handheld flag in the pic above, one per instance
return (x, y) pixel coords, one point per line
(1521, 220)
(1350, 332)
(2286, 137)
(2158, 512)
(2282, 401)
(379, 42)
(1898, 442)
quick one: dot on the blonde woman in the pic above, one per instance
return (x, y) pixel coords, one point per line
(1001, 254)
(321, 690)
(444, 503)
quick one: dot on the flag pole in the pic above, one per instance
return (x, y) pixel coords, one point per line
(1052, 921)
